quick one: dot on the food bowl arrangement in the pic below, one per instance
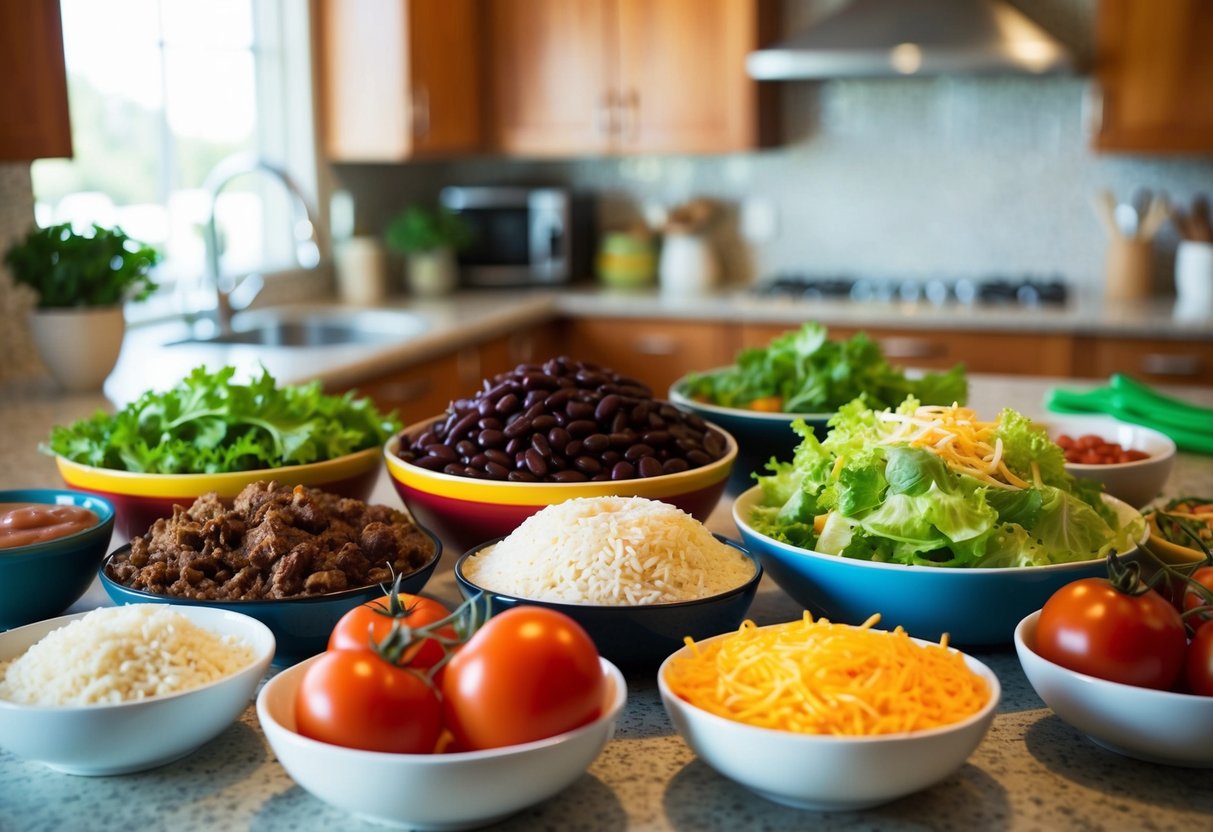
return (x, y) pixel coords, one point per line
(600, 580)
(1135, 481)
(457, 790)
(1157, 726)
(760, 435)
(128, 736)
(974, 606)
(826, 771)
(43, 578)
(296, 559)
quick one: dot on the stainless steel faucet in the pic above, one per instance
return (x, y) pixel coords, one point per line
(231, 293)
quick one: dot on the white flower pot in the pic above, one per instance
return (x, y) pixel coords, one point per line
(80, 345)
(432, 273)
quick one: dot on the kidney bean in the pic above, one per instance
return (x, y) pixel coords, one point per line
(596, 443)
(581, 428)
(507, 404)
(535, 462)
(496, 470)
(674, 465)
(558, 437)
(636, 452)
(588, 465)
(519, 427)
(623, 471)
(649, 466)
(569, 476)
(490, 438)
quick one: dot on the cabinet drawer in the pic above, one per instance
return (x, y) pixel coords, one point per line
(980, 352)
(425, 389)
(657, 352)
(1148, 359)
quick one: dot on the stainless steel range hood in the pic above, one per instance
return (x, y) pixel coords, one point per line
(873, 38)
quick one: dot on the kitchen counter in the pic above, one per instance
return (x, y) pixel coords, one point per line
(1031, 772)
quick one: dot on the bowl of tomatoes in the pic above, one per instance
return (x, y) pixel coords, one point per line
(1132, 462)
(1118, 662)
(526, 706)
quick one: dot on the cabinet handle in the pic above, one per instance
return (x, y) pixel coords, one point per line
(912, 348)
(629, 127)
(604, 114)
(655, 345)
(420, 112)
(1164, 364)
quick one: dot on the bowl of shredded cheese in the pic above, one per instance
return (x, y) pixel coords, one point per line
(825, 716)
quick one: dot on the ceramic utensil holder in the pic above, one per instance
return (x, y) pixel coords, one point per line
(1128, 269)
(1194, 279)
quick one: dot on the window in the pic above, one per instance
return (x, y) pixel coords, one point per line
(160, 91)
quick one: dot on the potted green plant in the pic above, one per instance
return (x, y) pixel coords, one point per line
(428, 239)
(81, 281)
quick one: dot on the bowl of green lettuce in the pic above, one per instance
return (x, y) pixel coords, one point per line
(213, 433)
(801, 374)
(940, 522)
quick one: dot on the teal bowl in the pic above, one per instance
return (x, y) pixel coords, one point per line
(43, 579)
(760, 436)
(301, 626)
(973, 606)
(637, 637)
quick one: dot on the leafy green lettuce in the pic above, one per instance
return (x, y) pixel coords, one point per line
(887, 501)
(812, 374)
(209, 424)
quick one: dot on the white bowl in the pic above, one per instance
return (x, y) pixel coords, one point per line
(132, 736)
(1137, 483)
(828, 773)
(433, 791)
(1154, 725)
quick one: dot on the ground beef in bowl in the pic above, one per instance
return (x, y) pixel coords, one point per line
(272, 541)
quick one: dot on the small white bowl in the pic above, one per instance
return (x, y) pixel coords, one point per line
(132, 736)
(1157, 726)
(1137, 483)
(828, 773)
(433, 791)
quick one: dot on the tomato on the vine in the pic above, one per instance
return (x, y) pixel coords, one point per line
(1093, 627)
(527, 673)
(1198, 670)
(1193, 598)
(359, 700)
(374, 620)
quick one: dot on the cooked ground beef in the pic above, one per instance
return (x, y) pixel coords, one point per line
(272, 542)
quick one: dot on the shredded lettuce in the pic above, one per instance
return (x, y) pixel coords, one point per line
(808, 373)
(886, 499)
(208, 424)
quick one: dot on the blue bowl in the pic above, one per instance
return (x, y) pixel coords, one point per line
(641, 636)
(759, 435)
(41, 580)
(973, 606)
(301, 626)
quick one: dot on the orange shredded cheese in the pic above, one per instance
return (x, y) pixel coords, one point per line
(816, 677)
(956, 436)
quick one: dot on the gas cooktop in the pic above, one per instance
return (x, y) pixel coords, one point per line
(1017, 291)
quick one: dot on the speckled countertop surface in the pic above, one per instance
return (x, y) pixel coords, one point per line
(1032, 771)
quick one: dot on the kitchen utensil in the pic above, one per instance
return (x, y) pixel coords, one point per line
(1194, 279)
(1128, 267)
(1190, 426)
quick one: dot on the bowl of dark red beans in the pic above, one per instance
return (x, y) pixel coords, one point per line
(51, 542)
(1131, 462)
(545, 433)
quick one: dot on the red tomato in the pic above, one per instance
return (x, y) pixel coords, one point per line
(1193, 598)
(372, 621)
(356, 699)
(1092, 627)
(1198, 672)
(528, 673)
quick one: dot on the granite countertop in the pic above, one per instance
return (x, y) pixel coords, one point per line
(1031, 772)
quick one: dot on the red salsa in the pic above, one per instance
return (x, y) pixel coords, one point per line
(24, 523)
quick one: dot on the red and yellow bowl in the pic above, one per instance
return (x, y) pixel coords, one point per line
(465, 512)
(140, 499)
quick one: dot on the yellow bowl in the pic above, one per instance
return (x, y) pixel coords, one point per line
(140, 499)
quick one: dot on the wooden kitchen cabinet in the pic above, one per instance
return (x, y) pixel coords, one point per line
(655, 351)
(1154, 67)
(1153, 360)
(399, 79)
(626, 76)
(34, 122)
(1034, 353)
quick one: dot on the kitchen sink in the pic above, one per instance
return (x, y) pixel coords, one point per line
(317, 328)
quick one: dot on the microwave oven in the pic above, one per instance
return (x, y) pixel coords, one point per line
(521, 236)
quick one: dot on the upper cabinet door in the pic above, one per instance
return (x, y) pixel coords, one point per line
(682, 85)
(400, 78)
(34, 121)
(552, 64)
(1154, 64)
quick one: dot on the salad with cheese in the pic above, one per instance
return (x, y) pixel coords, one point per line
(936, 486)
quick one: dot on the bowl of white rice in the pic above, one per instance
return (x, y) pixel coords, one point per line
(639, 575)
(124, 689)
